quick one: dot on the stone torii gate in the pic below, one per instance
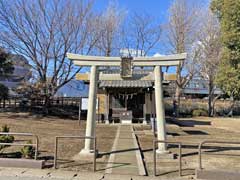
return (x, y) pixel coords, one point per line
(96, 61)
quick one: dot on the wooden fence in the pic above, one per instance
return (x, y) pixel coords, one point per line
(72, 103)
(28, 103)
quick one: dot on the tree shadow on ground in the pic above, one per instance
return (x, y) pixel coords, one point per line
(189, 123)
(117, 151)
(195, 132)
(114, 165)
(176, 171)
(16, 154)
(205, 150)
(210, 149)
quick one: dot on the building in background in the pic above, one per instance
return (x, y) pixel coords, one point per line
(131, 52)
(22, 73)
(198, 88)
(73, 88)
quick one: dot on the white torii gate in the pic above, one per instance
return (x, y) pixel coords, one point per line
(157, 62)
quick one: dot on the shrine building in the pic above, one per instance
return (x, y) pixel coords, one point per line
(124, 100)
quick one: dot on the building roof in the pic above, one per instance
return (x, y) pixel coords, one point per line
(126, 83)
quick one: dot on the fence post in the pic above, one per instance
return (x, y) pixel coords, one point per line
(154, 158)
(95, 155)
(55, 157)
(180, 159)
(79, 111)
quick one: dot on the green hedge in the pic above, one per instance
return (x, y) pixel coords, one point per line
(188, 106)
(199, 112)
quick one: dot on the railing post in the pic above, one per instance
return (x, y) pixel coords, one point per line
(36, 150)
(154, 158)
(95, 154)
(200, 155)
(79, 111)
(55, 153)
(180, 159)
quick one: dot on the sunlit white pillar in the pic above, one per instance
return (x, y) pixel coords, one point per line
(160, 112)
(91, 113)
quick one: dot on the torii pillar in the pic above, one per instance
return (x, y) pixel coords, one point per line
(157, 62)
(91, 113)
(160, 111)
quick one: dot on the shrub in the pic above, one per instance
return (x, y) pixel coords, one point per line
(199, 112)
(28, 151)
(5, 138)
(5, 128)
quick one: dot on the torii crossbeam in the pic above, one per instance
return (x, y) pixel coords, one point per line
(96, 61)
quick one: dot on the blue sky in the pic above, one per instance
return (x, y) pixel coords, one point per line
(157, 8)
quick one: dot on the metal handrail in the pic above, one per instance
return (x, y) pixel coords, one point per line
(210, 142)
(76, 137)
(154, 155)
(23, 144)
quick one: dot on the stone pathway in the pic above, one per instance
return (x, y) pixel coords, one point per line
(126, 156)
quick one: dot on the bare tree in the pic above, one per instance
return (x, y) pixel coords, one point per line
(210, 49)
(181, 35)
(44, 31)
(109, 28)
(142, 33)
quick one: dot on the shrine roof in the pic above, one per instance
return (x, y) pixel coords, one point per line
(126, 83)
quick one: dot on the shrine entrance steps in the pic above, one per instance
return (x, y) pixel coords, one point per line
(125, 156)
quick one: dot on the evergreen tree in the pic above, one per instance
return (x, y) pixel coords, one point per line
(228, 77)
(6, 66)
(3, 92)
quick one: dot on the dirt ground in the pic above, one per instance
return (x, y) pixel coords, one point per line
(46, 128)
(188, 131)
(191, 132)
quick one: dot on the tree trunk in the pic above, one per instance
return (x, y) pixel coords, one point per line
(230, 114)
(47, 104)
(213, 104)
(177, 99)
(210, 98)
(4, 102)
